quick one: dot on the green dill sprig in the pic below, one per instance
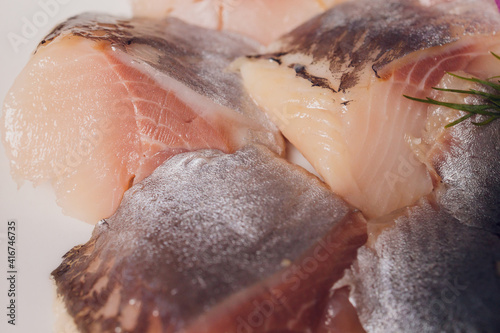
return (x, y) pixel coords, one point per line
(490, 108)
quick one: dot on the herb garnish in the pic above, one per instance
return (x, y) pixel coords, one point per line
(490, 108)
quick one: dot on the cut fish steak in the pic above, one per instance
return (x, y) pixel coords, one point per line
(104, 101)
(263, 20)
(214, 242)
(343, 75)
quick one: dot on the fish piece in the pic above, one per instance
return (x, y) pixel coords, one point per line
(263, 20)
(429, 273)
(104, 101)
(212, 242)
(346, 72)
(436, 263)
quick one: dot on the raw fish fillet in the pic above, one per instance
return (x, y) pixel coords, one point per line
(104, 101)
(212, 242)
(263, 20)
(431, 262)
(342, 76)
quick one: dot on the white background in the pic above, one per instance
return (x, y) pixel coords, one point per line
(43, 233)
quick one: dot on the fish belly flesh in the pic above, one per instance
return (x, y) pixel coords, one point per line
(104, 101)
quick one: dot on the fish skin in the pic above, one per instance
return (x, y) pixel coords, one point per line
(206, 237)
(467, 159)
(380, 32)
(428, 273)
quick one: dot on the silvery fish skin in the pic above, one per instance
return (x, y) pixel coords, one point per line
(373, 34)
(428, 273)
(467, 161)
(214, 242)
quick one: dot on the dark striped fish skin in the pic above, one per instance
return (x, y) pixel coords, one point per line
(360, 34)
(208, 240)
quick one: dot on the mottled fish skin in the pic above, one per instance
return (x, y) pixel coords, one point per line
(209, 240)
(467, 160)
(368, 33)
(194, 56)
(429, 273)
